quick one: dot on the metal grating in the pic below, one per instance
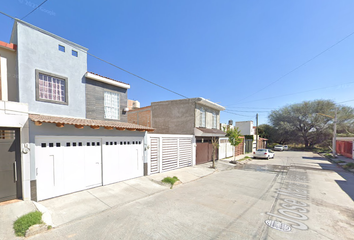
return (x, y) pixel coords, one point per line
(185, 152)
(154, 155)
(169, 154)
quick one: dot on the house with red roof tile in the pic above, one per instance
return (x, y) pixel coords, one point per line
(78, 136)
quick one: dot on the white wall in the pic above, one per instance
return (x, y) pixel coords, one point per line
(245, 127)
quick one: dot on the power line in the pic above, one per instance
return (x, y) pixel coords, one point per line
(311, 90)
(247, 107)
(347, 101)
(34, 9)
(301, 65)
(245, 111)
(136, 75)
(237, 114)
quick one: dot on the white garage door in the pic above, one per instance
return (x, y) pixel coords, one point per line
(65, 165)
(169, 153)
(122, 158)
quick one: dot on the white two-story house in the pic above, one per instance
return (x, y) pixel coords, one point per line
(78, 134)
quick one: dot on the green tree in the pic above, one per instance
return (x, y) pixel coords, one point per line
(302, 121)
(234, 138)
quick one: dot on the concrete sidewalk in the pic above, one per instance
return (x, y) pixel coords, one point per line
(342, 160)
(65, 209)
(9, 212)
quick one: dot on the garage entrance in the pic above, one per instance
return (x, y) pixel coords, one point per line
(122, 158)
(169, 152)
(205, 151)
(66, 164)
(70, 164)
(10, 164)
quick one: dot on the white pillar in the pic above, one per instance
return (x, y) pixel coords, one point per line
(3, 77)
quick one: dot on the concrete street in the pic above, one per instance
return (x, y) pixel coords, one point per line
(297, 195)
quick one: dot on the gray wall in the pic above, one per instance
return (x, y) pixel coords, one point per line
(38, 50)
(95, 100)
(173, 117)
(49, 129)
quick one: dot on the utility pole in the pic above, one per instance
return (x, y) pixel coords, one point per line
(257, 131)
(334, 153)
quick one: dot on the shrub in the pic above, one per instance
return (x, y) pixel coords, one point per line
(23, 223)
(349, 166)
(170, 180)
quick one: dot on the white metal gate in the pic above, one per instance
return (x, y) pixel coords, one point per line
(69, 164)
(154, 155)
(122, 158)
(169, 152)
(65, 165)
(225, 148)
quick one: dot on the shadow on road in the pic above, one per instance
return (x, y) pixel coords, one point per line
(347, 185)
(316, 158)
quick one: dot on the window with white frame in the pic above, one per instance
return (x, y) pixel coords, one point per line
(202, 118)
(111, 105)
(214, 120)
(51, 88)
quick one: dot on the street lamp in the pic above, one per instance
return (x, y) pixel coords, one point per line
(334, 153)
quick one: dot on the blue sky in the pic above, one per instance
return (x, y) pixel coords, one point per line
(227, 51)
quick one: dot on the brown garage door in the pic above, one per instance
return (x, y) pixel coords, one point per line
(205, 151)
(10, 165)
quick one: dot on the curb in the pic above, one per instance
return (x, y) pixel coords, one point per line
(36, 229)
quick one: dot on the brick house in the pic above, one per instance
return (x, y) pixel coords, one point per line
(141, 116)
(196, 116)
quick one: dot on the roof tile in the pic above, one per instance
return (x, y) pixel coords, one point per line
(87, 122)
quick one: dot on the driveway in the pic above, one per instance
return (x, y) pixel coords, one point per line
(297, 195)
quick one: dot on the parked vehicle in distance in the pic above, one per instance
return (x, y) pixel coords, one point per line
(263, 153)
(285, 147)
(278, 148)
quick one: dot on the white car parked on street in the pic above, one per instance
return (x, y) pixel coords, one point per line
(278, 148)
(285, 147)
(263, 153)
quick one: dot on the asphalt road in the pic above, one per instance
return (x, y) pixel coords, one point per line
(297, 195)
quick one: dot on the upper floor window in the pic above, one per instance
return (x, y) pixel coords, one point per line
(202, 117)
(74, 53)
(111, 105)
(61, 48)
(51, 88)
(214, 120)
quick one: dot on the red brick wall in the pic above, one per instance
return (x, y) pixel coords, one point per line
(239, 149)
(141, 116)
